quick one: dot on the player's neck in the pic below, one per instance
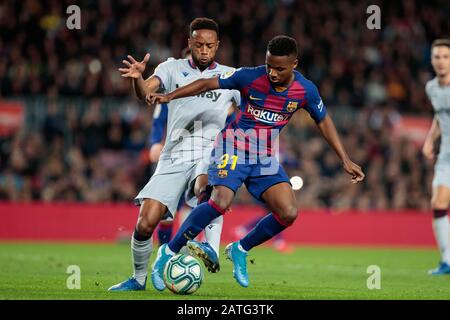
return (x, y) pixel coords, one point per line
(286, 85)
(194, 64)
(444, 81)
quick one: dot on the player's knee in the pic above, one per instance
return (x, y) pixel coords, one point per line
(221, 203)
(439, 204)
(222, 197)
(289, 215)
(144, 227)
(147, 221)
(221, 200)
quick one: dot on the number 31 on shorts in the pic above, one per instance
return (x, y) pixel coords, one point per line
(224, 161)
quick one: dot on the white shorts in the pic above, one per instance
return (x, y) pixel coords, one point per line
(170, 180)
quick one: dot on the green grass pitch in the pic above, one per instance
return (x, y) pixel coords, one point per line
(38, 271)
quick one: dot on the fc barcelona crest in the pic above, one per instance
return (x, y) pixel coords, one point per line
(292, 106)
(222, 173)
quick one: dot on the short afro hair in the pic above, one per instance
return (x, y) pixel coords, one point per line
(203, 23)
(282, 46)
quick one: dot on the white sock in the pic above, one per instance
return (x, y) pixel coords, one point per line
(141, 252)
(213, 232)
(441, 229)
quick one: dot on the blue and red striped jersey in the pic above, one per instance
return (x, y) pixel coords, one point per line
(265, 110)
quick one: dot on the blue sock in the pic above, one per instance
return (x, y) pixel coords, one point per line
(197, 220)
(164, 233)
(266, 228)
(252, 223)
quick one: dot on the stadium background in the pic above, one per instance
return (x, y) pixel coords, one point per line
(73, 139)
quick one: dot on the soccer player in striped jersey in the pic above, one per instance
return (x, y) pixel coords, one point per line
(270, 94)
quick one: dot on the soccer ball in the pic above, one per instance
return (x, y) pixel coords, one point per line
(183, 274)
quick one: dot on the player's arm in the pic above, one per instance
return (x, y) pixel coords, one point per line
(329, 132)
(143, 87)
(433, 134)
(191, 89)
(317, 111)
(134, 70)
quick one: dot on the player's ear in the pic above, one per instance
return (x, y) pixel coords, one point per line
(190, 43)
(295, 63)
(217, 44)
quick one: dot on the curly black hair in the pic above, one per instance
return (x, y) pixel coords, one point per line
(203, 23)
(282, 46)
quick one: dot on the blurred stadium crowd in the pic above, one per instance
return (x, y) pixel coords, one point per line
(367, 79)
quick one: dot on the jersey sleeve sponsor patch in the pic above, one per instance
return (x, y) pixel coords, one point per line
(227, 74)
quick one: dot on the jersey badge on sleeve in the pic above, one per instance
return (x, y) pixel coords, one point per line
(292, 106)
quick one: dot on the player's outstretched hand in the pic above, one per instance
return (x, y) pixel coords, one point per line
(354, 170)
(134, 68)
(153, 98)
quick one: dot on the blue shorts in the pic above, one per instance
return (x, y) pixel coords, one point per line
(258, 176)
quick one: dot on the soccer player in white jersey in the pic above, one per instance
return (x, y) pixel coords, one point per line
(438, 91)
(192, 126)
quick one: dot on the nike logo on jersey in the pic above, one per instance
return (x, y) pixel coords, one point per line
(213, 95)
(254, 98)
